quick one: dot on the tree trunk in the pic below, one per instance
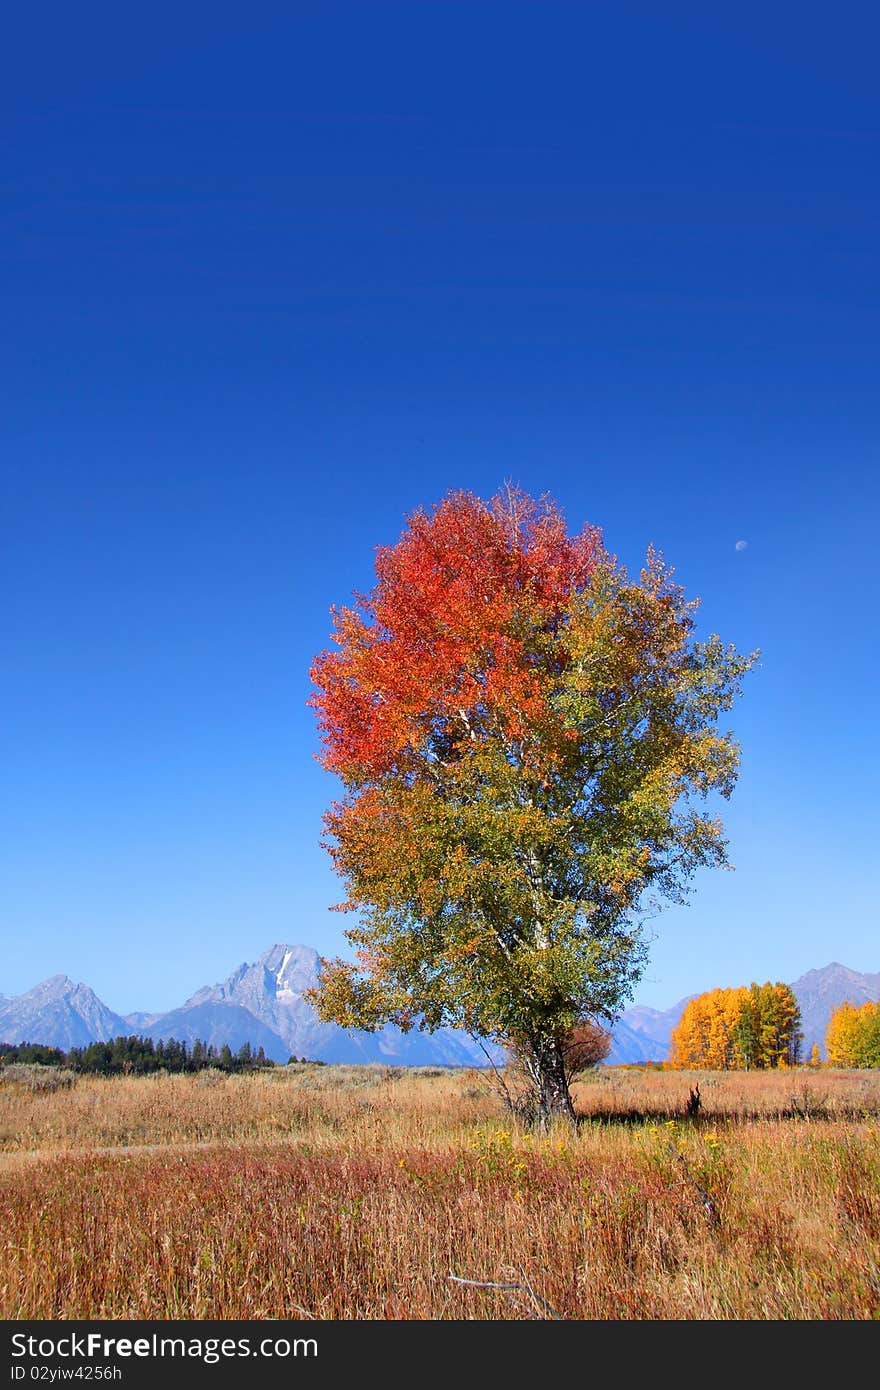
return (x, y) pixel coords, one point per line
(544, 1065)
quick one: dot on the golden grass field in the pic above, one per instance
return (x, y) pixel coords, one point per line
(345, 1192)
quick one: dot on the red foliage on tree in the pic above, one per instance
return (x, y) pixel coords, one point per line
(437, 639)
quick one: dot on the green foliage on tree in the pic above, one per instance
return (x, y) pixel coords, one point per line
(524, 734)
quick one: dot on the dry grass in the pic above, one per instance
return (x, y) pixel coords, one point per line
(322, 1106)
(354, 1192)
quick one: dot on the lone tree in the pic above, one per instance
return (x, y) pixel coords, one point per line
(521, 730)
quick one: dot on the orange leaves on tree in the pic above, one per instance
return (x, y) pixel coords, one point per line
(445, 642)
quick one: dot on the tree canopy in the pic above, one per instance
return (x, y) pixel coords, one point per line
(524, 734)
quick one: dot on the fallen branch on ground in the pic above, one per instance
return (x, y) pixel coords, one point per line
(701, 1191)
(509, 1288)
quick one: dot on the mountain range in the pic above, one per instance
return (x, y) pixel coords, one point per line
(263, 1003)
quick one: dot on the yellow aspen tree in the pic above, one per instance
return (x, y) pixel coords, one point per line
(841, 1038)
(688, 1042)
(853, 1037)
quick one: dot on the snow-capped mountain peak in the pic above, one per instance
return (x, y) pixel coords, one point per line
(295, 969)
(272, 989)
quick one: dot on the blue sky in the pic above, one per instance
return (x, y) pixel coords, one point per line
(270, 283)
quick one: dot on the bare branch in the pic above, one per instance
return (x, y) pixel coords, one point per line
(510, 1288)
(701, 1191)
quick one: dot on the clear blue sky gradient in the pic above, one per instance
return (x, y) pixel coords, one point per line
(273, 277)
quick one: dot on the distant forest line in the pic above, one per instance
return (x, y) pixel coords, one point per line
(137, 1056)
